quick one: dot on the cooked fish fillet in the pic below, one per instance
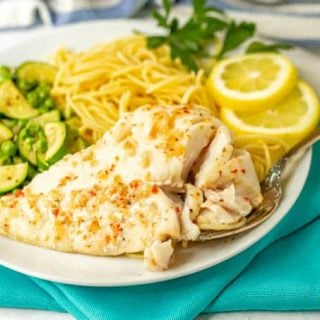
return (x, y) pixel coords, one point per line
(133, 190)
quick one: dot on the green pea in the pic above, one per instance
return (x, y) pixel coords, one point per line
(9, 148)
(28, 143)
(33, 128)
(22, 84)
(26, 85)
(23, 133)
(22, 122)
(45, 86)
(49, 103)
(42, 95)
(41, 135)
(5, 73)
(43, 92)
(33, 98)
(42, 145)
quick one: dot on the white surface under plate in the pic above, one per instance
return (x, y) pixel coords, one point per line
(121, 271)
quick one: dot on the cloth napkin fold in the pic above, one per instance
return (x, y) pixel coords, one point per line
(280, 272)
(28, 13)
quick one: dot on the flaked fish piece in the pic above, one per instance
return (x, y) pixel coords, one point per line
(215, 158)
(230, 184)
(240, 171)
(192, 205)
(223, 209)
(158, 256)
(222, 164)
(231, 199)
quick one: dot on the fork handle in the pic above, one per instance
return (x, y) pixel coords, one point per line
(273, 179)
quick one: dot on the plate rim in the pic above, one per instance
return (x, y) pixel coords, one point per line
(248, 243)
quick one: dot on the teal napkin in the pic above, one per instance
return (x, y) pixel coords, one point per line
(280, 272)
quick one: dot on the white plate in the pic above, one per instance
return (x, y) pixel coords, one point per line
(122, 271)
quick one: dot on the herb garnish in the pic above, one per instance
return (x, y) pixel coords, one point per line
(189, 42)
(258, 46)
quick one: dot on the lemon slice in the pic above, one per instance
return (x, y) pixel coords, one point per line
(251, 82)
(291, 119)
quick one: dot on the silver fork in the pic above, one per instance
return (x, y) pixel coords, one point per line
(271, 192)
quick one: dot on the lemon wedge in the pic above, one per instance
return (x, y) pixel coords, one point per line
(291, 119)
(251, 82)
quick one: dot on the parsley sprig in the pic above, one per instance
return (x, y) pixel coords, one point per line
(189, 41)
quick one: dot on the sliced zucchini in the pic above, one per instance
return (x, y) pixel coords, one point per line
(52, 116)
(36, 71)
(12, 176)
(27, 151)
(13, 104)
(10, 123)
(56, 134)
(29, 140)
(5, 133)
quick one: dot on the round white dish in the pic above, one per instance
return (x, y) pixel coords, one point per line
(122, 271)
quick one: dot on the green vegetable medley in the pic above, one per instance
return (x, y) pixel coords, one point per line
(189, 41)
(33, 132)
